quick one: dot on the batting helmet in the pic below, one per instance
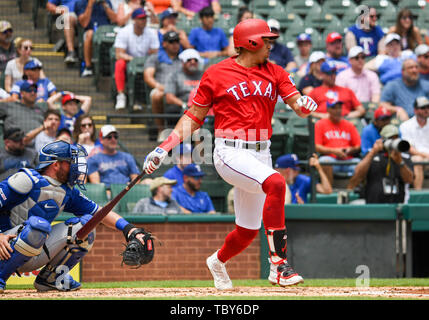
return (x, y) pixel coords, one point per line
(248, 34)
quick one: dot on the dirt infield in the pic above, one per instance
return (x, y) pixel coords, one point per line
(293, 292)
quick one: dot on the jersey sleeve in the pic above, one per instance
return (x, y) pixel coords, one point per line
(286, 86)
(79, 204)
(355, 101)
(204, 95)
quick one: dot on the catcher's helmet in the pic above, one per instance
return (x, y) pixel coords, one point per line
(64, 151)
(248, 34)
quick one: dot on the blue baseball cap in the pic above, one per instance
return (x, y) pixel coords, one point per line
(183, 148)
(33, 64)
(168, 13)
(333, 103)
(328, 67)
(287, 161)
(28, 86)
(138, 13)
(303, 37)
(193, 170)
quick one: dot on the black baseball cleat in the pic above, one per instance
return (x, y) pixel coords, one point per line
(283, 275)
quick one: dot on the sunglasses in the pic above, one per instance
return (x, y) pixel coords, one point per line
(28, 48)
(359, 58)
(426, 56)
(406, 18)
(424, 108)
(84, 125)
(173, 41)
(192, 60)
(7, 31)
(372, 16)
(111, 136)
(34, 90)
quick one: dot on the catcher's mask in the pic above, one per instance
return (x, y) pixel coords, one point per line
(64, 151)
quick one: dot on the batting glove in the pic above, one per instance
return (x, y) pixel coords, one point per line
(154, 160)
(306, 104)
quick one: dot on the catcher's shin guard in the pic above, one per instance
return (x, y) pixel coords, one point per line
(28, 243)
(55, 274)
(280, 271)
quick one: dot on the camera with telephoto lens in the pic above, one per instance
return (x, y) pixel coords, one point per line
(396, 144)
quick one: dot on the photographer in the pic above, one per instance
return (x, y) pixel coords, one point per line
(387, 169)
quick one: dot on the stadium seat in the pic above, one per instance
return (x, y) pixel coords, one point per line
(413, 5)
(303, 8)
(422, 21)
(102, 41)
(338, 7)
(128, 202)
(137, 89)
(218, 192)
(335, 24)
(288, 21)
(298, 136)
(35, 11)
(96, 192)
(231, 6)
(264, 7)
(320, 20)
(382, 6)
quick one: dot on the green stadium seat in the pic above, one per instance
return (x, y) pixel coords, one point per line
(218, 192)
(128, 202)
(413, 5)
(298, 137)
(231, 6)
(287, 21)
(37, 4)
(303, 8)
(102, 41)
(422, 21)
(321, 20)
(137, 89)
(96, 192)
(264, 7)
(338, 7)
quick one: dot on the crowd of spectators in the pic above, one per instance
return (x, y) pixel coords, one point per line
(361, 65)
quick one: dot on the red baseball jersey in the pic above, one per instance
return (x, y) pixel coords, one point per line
(321, 95)
(336, 135)
(243, 99)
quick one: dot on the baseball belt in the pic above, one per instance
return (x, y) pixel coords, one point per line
(257, 146)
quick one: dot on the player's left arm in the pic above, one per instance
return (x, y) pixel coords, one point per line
(302, 105)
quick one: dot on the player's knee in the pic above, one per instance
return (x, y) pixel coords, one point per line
(31, 239)
(246, 235)
(274, 184)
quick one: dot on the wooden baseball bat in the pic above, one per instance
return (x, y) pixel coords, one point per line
(96, 219)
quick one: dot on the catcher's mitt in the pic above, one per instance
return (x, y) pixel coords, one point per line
(136, 253)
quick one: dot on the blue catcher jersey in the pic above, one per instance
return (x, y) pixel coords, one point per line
(27, 194)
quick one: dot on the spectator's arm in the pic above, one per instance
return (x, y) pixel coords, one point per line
(152, 51)
(362, 167)
(109, 12)
(121, 17)
(324, 186)
(153, 17)
(149, 78)
(86, 103)
(55, 10)
(177, 6)
(94, 177)
(216, 7)
(8, 82)
(122, 54)
(52, 100)
(184, 41)
(172, 99)
(339, 152)
(350, 40)
(359, 112)
(13, 97)
(85, 17)
(291, 66)
(29, 137)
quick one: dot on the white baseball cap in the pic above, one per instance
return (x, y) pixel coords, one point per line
(390, 37)
(190, 54)
(421, 49)
(273, 23)
(355, 51)
(106, 130)
(316, 56)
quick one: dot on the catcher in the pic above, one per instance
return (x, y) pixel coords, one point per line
(31, 199)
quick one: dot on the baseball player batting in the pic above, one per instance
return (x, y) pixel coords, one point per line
(243, 91)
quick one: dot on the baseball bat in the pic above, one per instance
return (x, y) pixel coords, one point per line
(96, 219)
